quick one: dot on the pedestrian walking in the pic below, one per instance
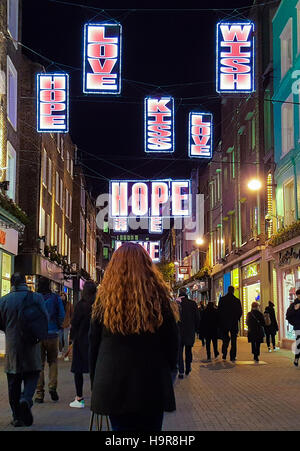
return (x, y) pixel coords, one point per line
(271, 326)
(189, 324)
(201, 308)
(63, 297)
(22, 359)
(209, 326)
(79, 338)
(230, 312)
(49, 346)
(69, 310)
(133, 343)
(176, 311)
(256, 323)
(293, 317)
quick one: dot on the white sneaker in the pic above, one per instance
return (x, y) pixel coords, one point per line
(270, 350)
(276, 349)
(77, 404)
(66, 359)
(59, 355)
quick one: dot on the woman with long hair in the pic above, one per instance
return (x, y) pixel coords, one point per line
(79, 337)
(133, 343)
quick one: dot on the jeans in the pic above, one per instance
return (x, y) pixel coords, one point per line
(255, 345)
(188, 358)
(272, 336)
(14, 381)
(49, 350)
(226, 341)
(215, 346)
(64, 339)
(137, 422)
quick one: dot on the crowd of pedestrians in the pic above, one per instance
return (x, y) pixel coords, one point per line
(131, 335)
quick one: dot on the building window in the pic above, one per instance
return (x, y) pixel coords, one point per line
(105, 253)
(287, 125)
(49, 176)
(42, 226)
(61, 194)
(57, 188)
(69, 254)
(12, 93)
(48, 232)
(68, 160)
(67, 203)
(70, 208)
(44, 167)
(13, 19)
(11, 171)
(72, 168)
(59, 241)
(55, 234)
(82, 199)
(289, 202)
(286, 44)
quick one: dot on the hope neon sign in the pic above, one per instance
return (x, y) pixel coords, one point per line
(102, 59)
(159, 124)
(152, 247)
(53, 103)
(151, 198)
(200, 135)
(235, 57)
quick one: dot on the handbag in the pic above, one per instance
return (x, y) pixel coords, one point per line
(99, 422)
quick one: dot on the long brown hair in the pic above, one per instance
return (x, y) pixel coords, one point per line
(133, 295)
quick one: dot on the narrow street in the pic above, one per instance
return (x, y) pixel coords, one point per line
(217, 396)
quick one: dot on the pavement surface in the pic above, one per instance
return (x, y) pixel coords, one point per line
(217, 396)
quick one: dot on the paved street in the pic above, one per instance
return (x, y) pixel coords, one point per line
(215, 396)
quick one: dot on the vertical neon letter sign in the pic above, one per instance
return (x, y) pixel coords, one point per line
(159, 124)
(200, 135)
(53, 103)
(235, 57)
(102, 59)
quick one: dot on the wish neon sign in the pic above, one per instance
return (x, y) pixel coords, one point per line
(200, 135)
(235, 57)
(159, 124)
(102, 59)
(53, 103)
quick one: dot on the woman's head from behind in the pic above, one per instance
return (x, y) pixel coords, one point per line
(89, 291)
(133, 294)
(255, 305)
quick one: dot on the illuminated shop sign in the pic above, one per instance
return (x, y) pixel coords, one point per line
(102, 59)
(235, 57)
(53, 103)
(200, 135)
(159, 124)
(152, 247)
(151, 198)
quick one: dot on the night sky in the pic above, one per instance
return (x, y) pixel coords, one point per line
(163, 52)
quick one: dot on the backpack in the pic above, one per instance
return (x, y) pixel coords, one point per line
(267, 319)
(32, 321)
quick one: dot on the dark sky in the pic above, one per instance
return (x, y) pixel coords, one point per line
(173, 50)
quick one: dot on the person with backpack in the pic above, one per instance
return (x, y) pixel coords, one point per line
(293, 317)
(256, 323)
(49, 346)
(22, 352)
(271, 326)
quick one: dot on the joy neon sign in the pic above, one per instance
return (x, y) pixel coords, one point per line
(53, 103)
(235, 57)
(200, 135)
(159, 124)
(102, 59)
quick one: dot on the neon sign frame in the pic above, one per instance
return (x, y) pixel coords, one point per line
(236, 60)
(118, 60)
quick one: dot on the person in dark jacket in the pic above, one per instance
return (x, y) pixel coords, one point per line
(209, 327)
(49, 347)
(189, 324)
(293, 317)
(201, 308)
(256, 323)
(22, 361)
(230, 312)
(272, 328)
(79, 332)
(133, 343)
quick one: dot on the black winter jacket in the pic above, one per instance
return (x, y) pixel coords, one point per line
(293, 316)
(230, 311)
(255, 322)
(189, 322)
(132, 373)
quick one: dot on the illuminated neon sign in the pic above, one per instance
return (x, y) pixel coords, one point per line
(53, 103)
(120, 225)
(200, 135)
(159, 124)
(235, 57)
(102, 59)
(152, 247)
(155, 225)
(151, 198)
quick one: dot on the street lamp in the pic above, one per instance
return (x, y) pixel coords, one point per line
(255, 185)
(199, 241)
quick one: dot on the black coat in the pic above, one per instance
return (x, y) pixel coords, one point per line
(189, 322)
(293, 316)
(230, 312)
(132, 373)
(210, 322)
(273, 328)
(255, 322)
(79, 332)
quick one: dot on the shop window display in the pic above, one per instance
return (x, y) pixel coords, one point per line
(291, 283)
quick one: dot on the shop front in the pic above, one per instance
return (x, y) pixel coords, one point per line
(8, 252)
(251, 287)
(287, 264)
